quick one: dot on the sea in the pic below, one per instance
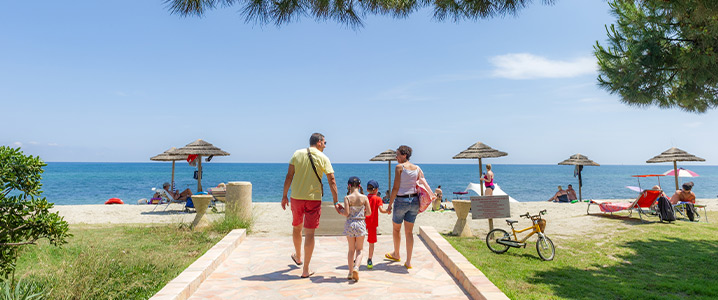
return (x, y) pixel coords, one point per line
(74, 183)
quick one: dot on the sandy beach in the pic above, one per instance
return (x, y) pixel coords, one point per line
(564, 220)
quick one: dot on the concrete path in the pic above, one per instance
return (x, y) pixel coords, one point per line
(261, 268)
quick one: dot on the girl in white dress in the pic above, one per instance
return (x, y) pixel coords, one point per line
(356, 205)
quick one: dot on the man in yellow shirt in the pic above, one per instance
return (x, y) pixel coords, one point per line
(306, 169)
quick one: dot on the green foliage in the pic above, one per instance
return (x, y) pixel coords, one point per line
(622, 258)
(662, 53)
(228, 223)
(351, 12)
(23, 290)
(24, 218)
(115, 261)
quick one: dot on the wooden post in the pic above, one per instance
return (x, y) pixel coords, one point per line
(199, 173)
(173, 176)
(481, 171)
(388, 187)
(579, 193)
(675, 171)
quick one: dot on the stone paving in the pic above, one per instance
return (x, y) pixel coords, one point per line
(261, 268)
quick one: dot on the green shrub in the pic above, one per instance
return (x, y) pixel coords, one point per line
(24, 217)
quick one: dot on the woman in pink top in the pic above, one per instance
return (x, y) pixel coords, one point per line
(488, 180)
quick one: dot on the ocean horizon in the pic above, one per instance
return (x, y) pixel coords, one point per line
(78, 183)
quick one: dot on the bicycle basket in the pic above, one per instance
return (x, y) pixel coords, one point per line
(542, 224)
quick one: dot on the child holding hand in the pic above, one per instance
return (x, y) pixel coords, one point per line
(372, 220)
(355, 228)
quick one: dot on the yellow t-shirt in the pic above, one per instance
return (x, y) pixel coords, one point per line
(305, 185)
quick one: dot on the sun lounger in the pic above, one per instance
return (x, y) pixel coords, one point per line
(642, 204)
(166, 198)
(681, 207)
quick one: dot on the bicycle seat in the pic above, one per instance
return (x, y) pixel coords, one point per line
(509, 221)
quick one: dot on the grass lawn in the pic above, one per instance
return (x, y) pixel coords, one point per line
(117, 261)
(624, 259)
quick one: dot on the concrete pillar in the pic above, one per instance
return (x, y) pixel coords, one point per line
(462, 208)
(239, 199)
(200, 205)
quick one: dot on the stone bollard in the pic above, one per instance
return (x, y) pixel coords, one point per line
(239, 199)
(200, 205)
(462, 208)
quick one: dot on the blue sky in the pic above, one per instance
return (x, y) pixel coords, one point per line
(121, 81)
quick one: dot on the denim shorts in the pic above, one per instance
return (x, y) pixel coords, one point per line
(405, 210)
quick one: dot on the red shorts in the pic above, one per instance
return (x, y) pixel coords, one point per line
(372, 234)
(307, 212)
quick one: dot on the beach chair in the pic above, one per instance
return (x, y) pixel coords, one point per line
(219, 194)
(681, 207)
(166, 198)
(642, 204)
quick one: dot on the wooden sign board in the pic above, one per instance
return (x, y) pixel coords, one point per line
(489, 207)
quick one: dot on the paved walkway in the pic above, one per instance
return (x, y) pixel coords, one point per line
(261, 268)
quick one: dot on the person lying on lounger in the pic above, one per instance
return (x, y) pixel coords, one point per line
(175, 194)
(684, 195)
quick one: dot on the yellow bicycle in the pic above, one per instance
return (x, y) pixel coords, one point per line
(499, 241)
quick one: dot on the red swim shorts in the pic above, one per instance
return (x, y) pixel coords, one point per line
(307, 212)
(372, 234)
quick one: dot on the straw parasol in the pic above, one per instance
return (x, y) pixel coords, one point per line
(579, 161)
(200, 148)
(479, 150)
(166, 156)
(387, 155)
(674, 155)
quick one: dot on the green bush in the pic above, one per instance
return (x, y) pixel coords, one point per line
(24, 216)
(23, 290)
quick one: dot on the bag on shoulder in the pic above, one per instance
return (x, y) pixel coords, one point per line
(426, 195)
(665, 210)
(311, 161)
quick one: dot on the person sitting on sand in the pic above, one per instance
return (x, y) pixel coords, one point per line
(571, 193)
(175, 194)
(560, 196)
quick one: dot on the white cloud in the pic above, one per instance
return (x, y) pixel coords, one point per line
(529, 66)
(17, 144)
(693, 124)
(52, 144)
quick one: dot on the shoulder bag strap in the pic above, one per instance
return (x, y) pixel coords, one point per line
(311, 161)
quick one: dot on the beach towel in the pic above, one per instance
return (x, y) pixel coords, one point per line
(614, 206)
(426, 195)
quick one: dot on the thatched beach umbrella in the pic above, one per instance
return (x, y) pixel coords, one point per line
(479, 150)
(579, 161)
(200, 148)
(674, 155)
(387, 155)
(166, 156)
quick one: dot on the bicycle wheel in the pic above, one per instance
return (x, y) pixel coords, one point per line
(493, 244)
(545, 248)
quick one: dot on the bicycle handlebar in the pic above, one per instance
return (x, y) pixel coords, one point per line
(528, 215)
